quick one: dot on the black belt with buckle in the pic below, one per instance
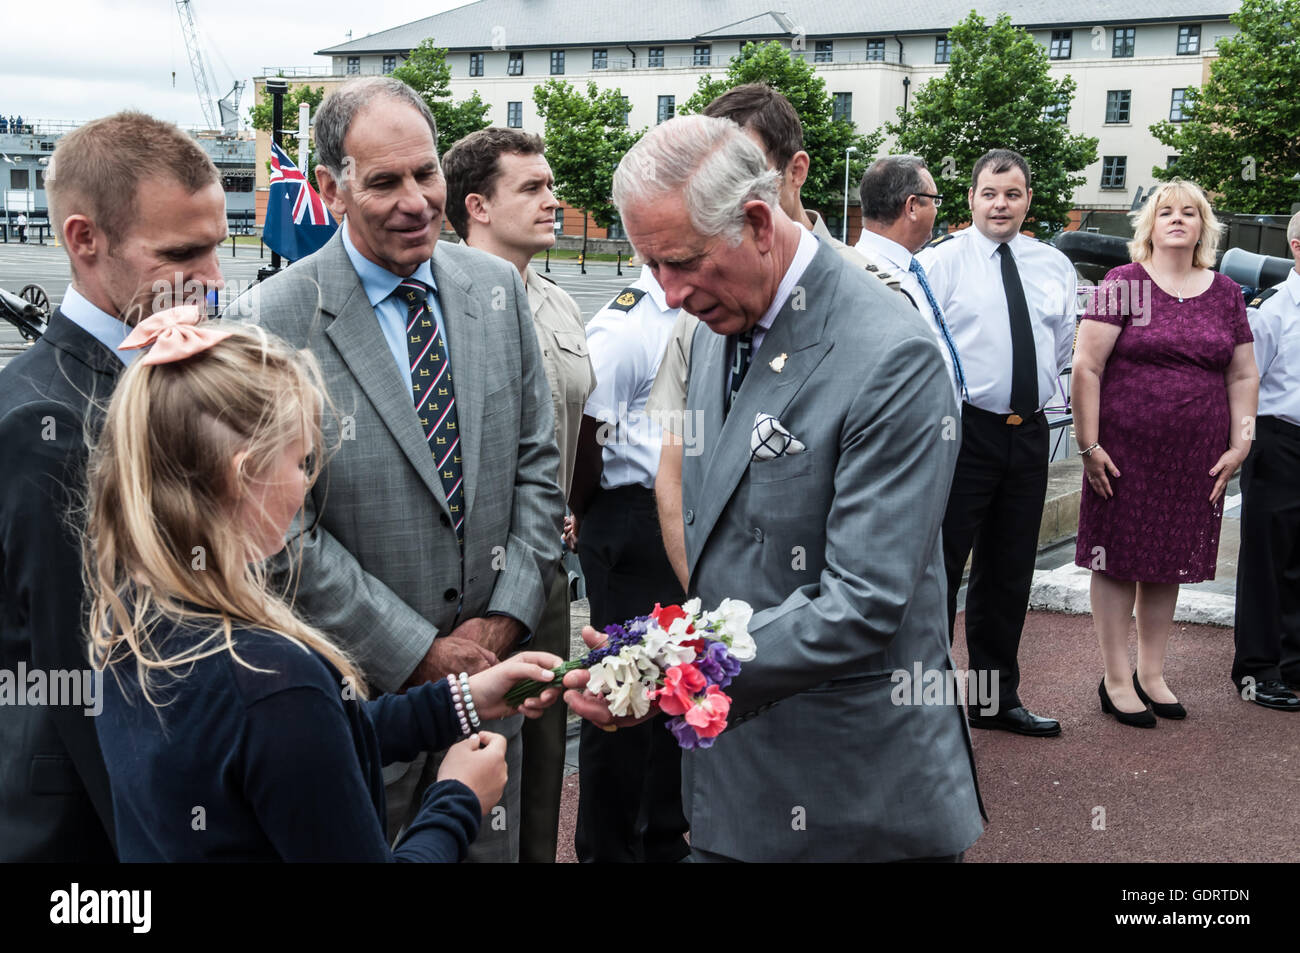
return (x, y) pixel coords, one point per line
(1011, 420)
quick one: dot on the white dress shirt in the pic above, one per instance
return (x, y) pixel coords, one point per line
(803, 257)
(626, 347)
(898, 260)
(102, 326)
(965, 274)
(1276, 326)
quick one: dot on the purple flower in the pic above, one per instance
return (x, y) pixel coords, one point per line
(718, 665)
(685, 734)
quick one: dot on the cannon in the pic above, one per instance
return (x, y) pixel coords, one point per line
(28, 310)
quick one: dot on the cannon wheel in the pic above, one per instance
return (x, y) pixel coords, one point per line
(35, 295)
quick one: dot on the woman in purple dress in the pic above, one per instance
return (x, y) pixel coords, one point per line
(1164, 392)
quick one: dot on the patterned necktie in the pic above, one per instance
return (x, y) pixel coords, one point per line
(1024, 359)
(744, 346)
(917, 270)
(435, 399)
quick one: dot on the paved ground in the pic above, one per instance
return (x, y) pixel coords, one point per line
(1220, 786)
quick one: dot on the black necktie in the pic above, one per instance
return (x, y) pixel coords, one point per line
(1024, 359)
(744, 345)
(434, 396)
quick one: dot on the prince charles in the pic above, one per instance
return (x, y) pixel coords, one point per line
(824, 408)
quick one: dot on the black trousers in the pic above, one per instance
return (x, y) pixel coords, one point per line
(1267, 626)
(995, 508)
(630, 780)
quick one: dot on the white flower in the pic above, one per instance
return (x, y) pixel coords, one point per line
(735, 615)
(674, 654)
(742, 647)
(692, 607)
(608, 673)
(629, 698)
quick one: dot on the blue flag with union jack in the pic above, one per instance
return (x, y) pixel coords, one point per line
(297, 221)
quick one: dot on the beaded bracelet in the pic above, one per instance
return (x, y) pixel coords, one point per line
(459, 704)
(469, 701)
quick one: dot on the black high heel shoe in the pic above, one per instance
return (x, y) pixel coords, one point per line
(1164, 710)
(1138, 719)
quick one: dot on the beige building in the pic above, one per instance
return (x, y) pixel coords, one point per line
(1130, 63)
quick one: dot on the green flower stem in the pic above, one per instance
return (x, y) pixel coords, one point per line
(531, 688)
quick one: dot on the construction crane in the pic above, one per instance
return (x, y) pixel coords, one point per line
(221, 113)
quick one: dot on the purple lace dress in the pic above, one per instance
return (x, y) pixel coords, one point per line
(1164, 423)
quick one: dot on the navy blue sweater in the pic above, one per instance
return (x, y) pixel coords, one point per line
(241, 765)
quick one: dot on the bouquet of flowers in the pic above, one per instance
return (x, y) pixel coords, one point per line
(677, 658)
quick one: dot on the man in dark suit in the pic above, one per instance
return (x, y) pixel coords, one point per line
(139, 206)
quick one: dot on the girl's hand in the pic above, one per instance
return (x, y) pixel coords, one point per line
(1225, 468)
(478, 762)
(489, 687)
(1098, 468)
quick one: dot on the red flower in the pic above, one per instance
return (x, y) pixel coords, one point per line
(681, 684)
(667, 615)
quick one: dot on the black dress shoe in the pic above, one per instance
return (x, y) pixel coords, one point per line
(1163, 709)
(1020, 720)
(1138, 719)
(1274, 694)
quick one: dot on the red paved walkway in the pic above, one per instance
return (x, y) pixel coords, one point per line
(1224, 785)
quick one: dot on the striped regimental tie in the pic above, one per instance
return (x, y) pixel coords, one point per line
(434, 396)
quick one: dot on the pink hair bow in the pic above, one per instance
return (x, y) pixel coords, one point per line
(173, 335)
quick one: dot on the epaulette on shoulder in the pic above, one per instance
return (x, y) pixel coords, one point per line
(1262, 297)
(935, 242)
(626, 299)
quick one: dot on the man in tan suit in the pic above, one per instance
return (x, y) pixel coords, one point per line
(499, 200)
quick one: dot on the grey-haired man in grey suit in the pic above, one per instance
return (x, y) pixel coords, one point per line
(826, 420)
(432, 531)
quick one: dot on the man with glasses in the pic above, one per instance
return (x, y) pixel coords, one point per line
(899, 205)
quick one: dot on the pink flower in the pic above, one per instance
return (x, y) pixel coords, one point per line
(681, 684)
(709, 716)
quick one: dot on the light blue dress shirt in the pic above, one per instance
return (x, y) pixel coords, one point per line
(379, 284)
(100, 325)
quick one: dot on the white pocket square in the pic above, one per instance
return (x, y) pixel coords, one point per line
(769, 440)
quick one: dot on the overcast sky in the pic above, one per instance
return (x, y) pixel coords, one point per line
(79, 59)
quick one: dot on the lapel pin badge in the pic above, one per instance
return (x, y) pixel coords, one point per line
(778, 363)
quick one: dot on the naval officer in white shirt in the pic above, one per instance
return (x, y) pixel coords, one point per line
(899, 206)
(1268, 569)
(1009, 301)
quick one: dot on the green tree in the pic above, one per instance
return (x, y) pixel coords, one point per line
(825, 138)
(259, 117)
(426, 71)
(1241, 134)
(997, 94)
(586, 137)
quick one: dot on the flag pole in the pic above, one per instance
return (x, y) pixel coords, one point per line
(276, 88)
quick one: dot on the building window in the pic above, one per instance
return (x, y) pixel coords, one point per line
(1169, 163)
(656, 57)
(1176, 105)
(40, 182)
(1113, 171)
(627, 109)
(1059, 111)
(557, 62)
(1189, 39)
(600, 59)
(616, 231)
(17, 178)
(875, 50)
(1124, 42)
(354, 65)
(476, 64)
(1062, 40)
(842, 107)
(390, 63)
(942, 49)
(559, 220)
(1117, 104)
(825, 52)
(516, 67)
(515, 115)
(703, 54)
(667, 108)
